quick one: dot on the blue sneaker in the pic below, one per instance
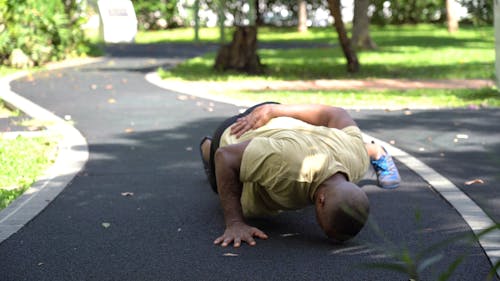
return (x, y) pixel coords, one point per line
(387, 172)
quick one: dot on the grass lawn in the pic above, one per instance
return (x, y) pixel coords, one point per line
(438, 98)
(22, 161)
(417, 52)
(405, 52)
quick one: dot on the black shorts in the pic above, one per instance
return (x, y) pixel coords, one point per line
(216, 140)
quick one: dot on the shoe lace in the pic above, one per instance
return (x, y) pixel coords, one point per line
(381, 166)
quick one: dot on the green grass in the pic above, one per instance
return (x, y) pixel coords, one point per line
(405, 52)
(6, 112)
(416, 52)
(486, 97)
(22, 161)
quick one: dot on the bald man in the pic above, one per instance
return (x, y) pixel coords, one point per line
(279, 157)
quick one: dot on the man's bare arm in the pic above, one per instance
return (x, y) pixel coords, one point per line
(227, 163)
(315, 114)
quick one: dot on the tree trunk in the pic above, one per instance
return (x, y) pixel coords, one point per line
(258, 15)
(361, 26)
(345, 42)
(302, 13)
(451, 16)
(241, 53)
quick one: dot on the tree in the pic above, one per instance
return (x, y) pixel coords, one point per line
(345, 42)
(451, 16)
(241, 53)
(360, 30)
(302, 15)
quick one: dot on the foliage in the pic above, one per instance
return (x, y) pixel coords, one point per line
(415, 264)
(481, 11)
(41, 29)
(408, 11)
(155, 15)
(22, 161)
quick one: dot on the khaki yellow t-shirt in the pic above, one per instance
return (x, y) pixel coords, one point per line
(288, 159)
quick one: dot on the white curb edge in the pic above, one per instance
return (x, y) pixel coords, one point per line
(72, 156)
(473, 215)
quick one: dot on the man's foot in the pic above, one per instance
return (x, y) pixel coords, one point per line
(387, 172)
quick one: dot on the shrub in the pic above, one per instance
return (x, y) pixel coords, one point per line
(41, 29)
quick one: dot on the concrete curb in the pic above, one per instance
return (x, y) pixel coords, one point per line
(473, 215)
(72, 156)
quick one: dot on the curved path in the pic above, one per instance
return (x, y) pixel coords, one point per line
(141, 209)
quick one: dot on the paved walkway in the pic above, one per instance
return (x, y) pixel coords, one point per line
(141, 210)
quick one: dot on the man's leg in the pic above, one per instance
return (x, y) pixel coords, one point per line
(383, 164)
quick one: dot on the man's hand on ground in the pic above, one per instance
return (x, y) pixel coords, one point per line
(256, 119)
(238, 232)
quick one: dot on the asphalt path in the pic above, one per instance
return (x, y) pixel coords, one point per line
(142, 210)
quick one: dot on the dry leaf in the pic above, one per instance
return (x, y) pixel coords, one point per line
(105, 224)
(230, 255)
(289, 234)
(474, 181)
(129, 130)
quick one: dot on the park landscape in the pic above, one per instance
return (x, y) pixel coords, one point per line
(297, 67)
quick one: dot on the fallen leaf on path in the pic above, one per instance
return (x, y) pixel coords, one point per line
(106, 224)
(230, 255)
(127, 194)
(474, 181)
(289, 234)
(129, 130)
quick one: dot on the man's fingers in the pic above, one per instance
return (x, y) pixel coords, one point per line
(260, 234)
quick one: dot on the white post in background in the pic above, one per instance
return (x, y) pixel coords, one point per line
(118, 20)
(496, 8)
